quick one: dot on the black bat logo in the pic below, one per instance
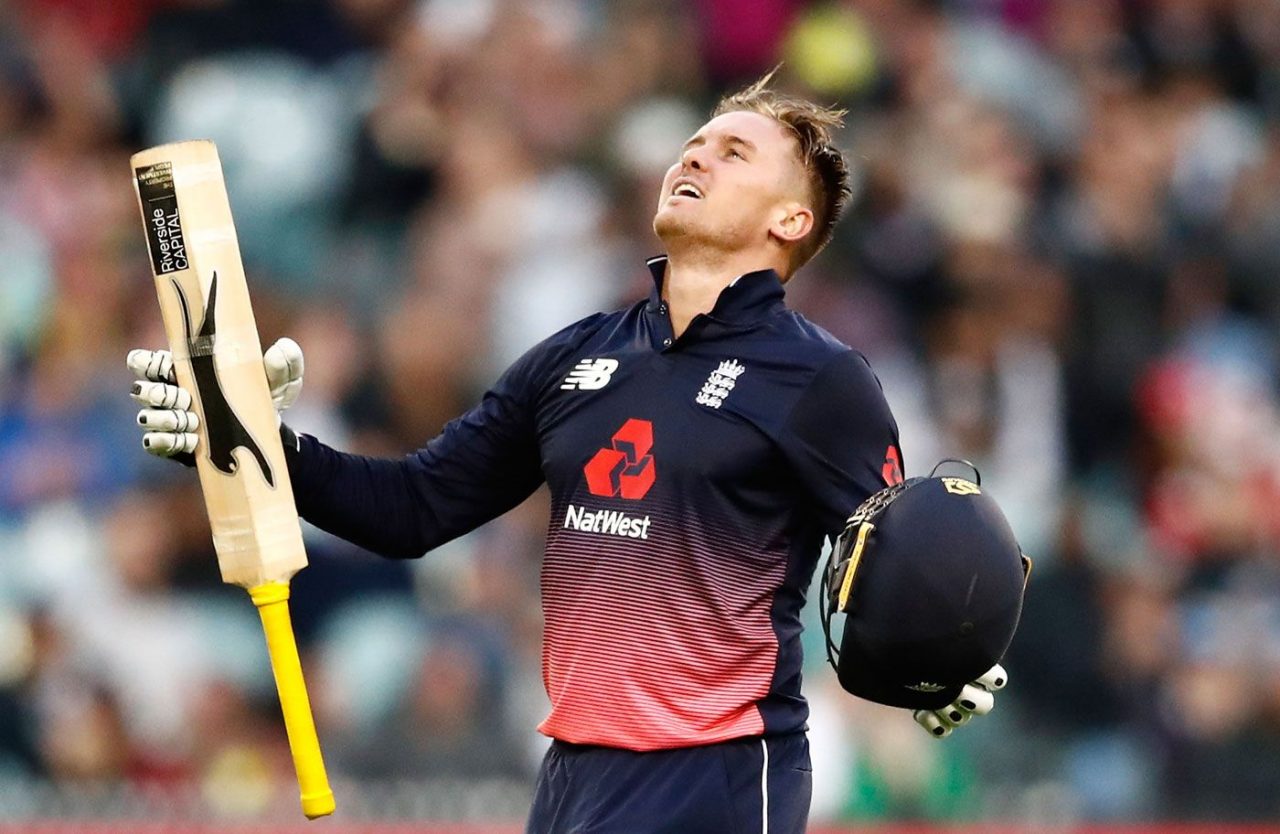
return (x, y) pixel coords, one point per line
(225, 431)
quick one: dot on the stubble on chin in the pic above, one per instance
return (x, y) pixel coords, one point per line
(670, 227)
(665, 226)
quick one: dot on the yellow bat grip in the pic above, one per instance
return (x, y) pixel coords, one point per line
(272, 600)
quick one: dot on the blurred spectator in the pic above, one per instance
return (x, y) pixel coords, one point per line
(448, 723)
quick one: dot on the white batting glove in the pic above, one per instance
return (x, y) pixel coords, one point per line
(169, 425)
(283, 364)
(976, 698)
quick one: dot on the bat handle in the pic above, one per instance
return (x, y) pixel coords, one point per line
(272, 600)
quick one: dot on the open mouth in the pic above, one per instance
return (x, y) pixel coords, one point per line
(686, 189)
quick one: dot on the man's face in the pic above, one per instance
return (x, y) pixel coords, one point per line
(734, 179)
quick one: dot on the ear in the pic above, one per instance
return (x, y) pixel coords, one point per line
(792, 222)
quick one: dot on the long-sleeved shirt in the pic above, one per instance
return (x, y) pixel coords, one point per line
(692, 482)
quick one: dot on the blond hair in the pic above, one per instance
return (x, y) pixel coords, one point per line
(811, 125)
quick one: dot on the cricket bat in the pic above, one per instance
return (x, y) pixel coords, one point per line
(217, 357)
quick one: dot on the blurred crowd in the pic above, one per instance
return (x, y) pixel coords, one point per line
(1060, 259)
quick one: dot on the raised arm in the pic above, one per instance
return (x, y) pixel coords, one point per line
(481, 465)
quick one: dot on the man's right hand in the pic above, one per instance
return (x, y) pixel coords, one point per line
(168, 423)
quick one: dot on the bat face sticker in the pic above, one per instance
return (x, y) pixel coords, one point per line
(225, 431)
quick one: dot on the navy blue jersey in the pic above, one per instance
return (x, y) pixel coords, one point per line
(692, 482)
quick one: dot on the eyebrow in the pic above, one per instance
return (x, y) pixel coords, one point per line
(731, 139)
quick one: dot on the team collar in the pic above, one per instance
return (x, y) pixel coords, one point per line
(747, 298)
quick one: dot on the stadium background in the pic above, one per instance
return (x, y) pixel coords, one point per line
(1061, 259)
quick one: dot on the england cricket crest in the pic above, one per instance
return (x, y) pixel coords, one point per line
(719, 383)
(225, 431)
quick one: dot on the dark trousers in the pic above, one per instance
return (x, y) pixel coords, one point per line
(745, 786)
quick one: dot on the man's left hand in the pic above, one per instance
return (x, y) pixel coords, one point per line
(976, 698)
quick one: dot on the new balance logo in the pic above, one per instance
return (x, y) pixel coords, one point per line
(590, 375)
(719, 383)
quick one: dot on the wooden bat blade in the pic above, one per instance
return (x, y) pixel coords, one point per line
(204, 299)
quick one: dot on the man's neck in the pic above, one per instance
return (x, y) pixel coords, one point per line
(692, 285)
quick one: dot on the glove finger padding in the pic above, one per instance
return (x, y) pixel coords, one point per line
(932, 724)
(169, 420)
(284, 367)
(167, 444)
(161, 395)
(975, 699)
(994, 679)
(154, 365)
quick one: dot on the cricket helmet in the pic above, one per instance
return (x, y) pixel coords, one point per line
(929, 580)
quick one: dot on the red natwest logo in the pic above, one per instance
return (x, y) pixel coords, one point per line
(625, 469)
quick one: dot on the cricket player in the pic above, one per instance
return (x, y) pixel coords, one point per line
(698, 446)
